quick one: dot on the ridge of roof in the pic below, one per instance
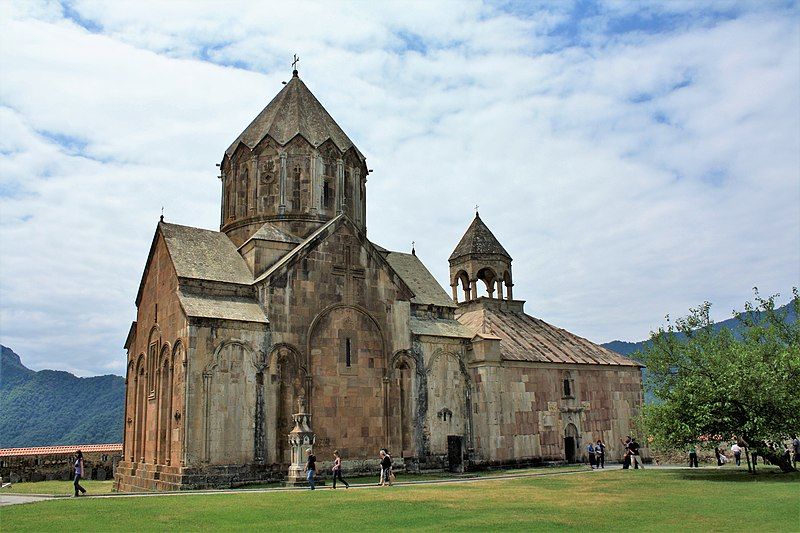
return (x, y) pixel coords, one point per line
(294, 111)
(478, 239)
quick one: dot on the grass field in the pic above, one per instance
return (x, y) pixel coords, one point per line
(649, 500)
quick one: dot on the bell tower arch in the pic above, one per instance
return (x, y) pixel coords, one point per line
(479, 264)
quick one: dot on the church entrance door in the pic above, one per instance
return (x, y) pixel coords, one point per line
(455, 453)
(570, 443)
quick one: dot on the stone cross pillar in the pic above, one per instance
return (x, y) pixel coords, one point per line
(301, 438)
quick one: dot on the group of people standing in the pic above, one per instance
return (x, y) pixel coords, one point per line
(387, 475)
(597, 454)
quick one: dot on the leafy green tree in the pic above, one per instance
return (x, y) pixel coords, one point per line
(717, 385)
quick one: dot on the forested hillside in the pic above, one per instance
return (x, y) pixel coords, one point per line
(51, 407)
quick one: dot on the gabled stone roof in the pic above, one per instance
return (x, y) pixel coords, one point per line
(426, 289)
(294, 111)
(478, 239)
(204, 254)
(525, 338)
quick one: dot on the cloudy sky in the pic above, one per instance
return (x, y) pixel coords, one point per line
(635, 159)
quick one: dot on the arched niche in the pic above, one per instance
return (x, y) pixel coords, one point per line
(347, 366)
(287, 384)
(229, 398)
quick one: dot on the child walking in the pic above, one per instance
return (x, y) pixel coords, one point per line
(337, 470)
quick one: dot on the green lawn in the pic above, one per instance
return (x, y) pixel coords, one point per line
(649, 500)
(58, 488)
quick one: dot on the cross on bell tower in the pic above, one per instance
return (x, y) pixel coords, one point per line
(295, 61)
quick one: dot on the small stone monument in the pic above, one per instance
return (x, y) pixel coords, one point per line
(301, 438)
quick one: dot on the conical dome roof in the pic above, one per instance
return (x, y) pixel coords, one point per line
(478, 239)
(294, 111)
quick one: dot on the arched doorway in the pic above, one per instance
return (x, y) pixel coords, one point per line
(571, 443)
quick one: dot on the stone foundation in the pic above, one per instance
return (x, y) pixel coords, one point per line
(139, 477)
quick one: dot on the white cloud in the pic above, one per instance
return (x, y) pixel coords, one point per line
(629, 174)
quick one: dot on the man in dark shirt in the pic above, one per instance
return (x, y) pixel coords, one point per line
(311, 467)
(796, 449)
(633, 446)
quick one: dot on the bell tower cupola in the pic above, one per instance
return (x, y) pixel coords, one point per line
(294, 167)
(480, 262)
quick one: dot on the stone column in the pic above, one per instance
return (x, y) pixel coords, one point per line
(357, 195)
(252, 185)
(301, 438)
(473, 285)
(454, 286)
(314, 182)
(340, 192)
(509, 296)
(282, 185)
(499, 289)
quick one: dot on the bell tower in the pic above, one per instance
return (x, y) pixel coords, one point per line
(479, 257)
(293, 167)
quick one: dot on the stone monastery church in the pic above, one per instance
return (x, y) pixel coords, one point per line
(289, 307)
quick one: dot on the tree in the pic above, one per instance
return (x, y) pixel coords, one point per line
(727, 385)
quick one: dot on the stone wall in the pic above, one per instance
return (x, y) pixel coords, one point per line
(522, 412)
(337, 299)
(58, 466)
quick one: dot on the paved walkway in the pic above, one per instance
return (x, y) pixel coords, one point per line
(11, 499)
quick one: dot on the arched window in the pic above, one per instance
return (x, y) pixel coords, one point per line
(568, 384)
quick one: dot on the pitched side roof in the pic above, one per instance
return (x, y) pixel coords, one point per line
(204, 254)
(294, 111)
(221, 307)
(60, 450)
(439, 327)
(270, 232)
(478, 239)
(525, 338)
(421, 282)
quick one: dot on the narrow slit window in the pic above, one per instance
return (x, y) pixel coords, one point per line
(347, 351)
(567, 388)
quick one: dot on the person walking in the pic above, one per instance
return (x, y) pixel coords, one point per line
(386, 469)
(311, 468)
(717, 454)
(337, 470)
(592, 456)
(79, 491)
(796, 449)
(635, 456)
(626, 458)
(737, 453)
(693, 457)
(600, 454)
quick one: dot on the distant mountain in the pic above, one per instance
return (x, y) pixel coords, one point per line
(50, 407)
(628, 348)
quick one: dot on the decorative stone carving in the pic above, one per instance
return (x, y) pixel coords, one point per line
(301, 438)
